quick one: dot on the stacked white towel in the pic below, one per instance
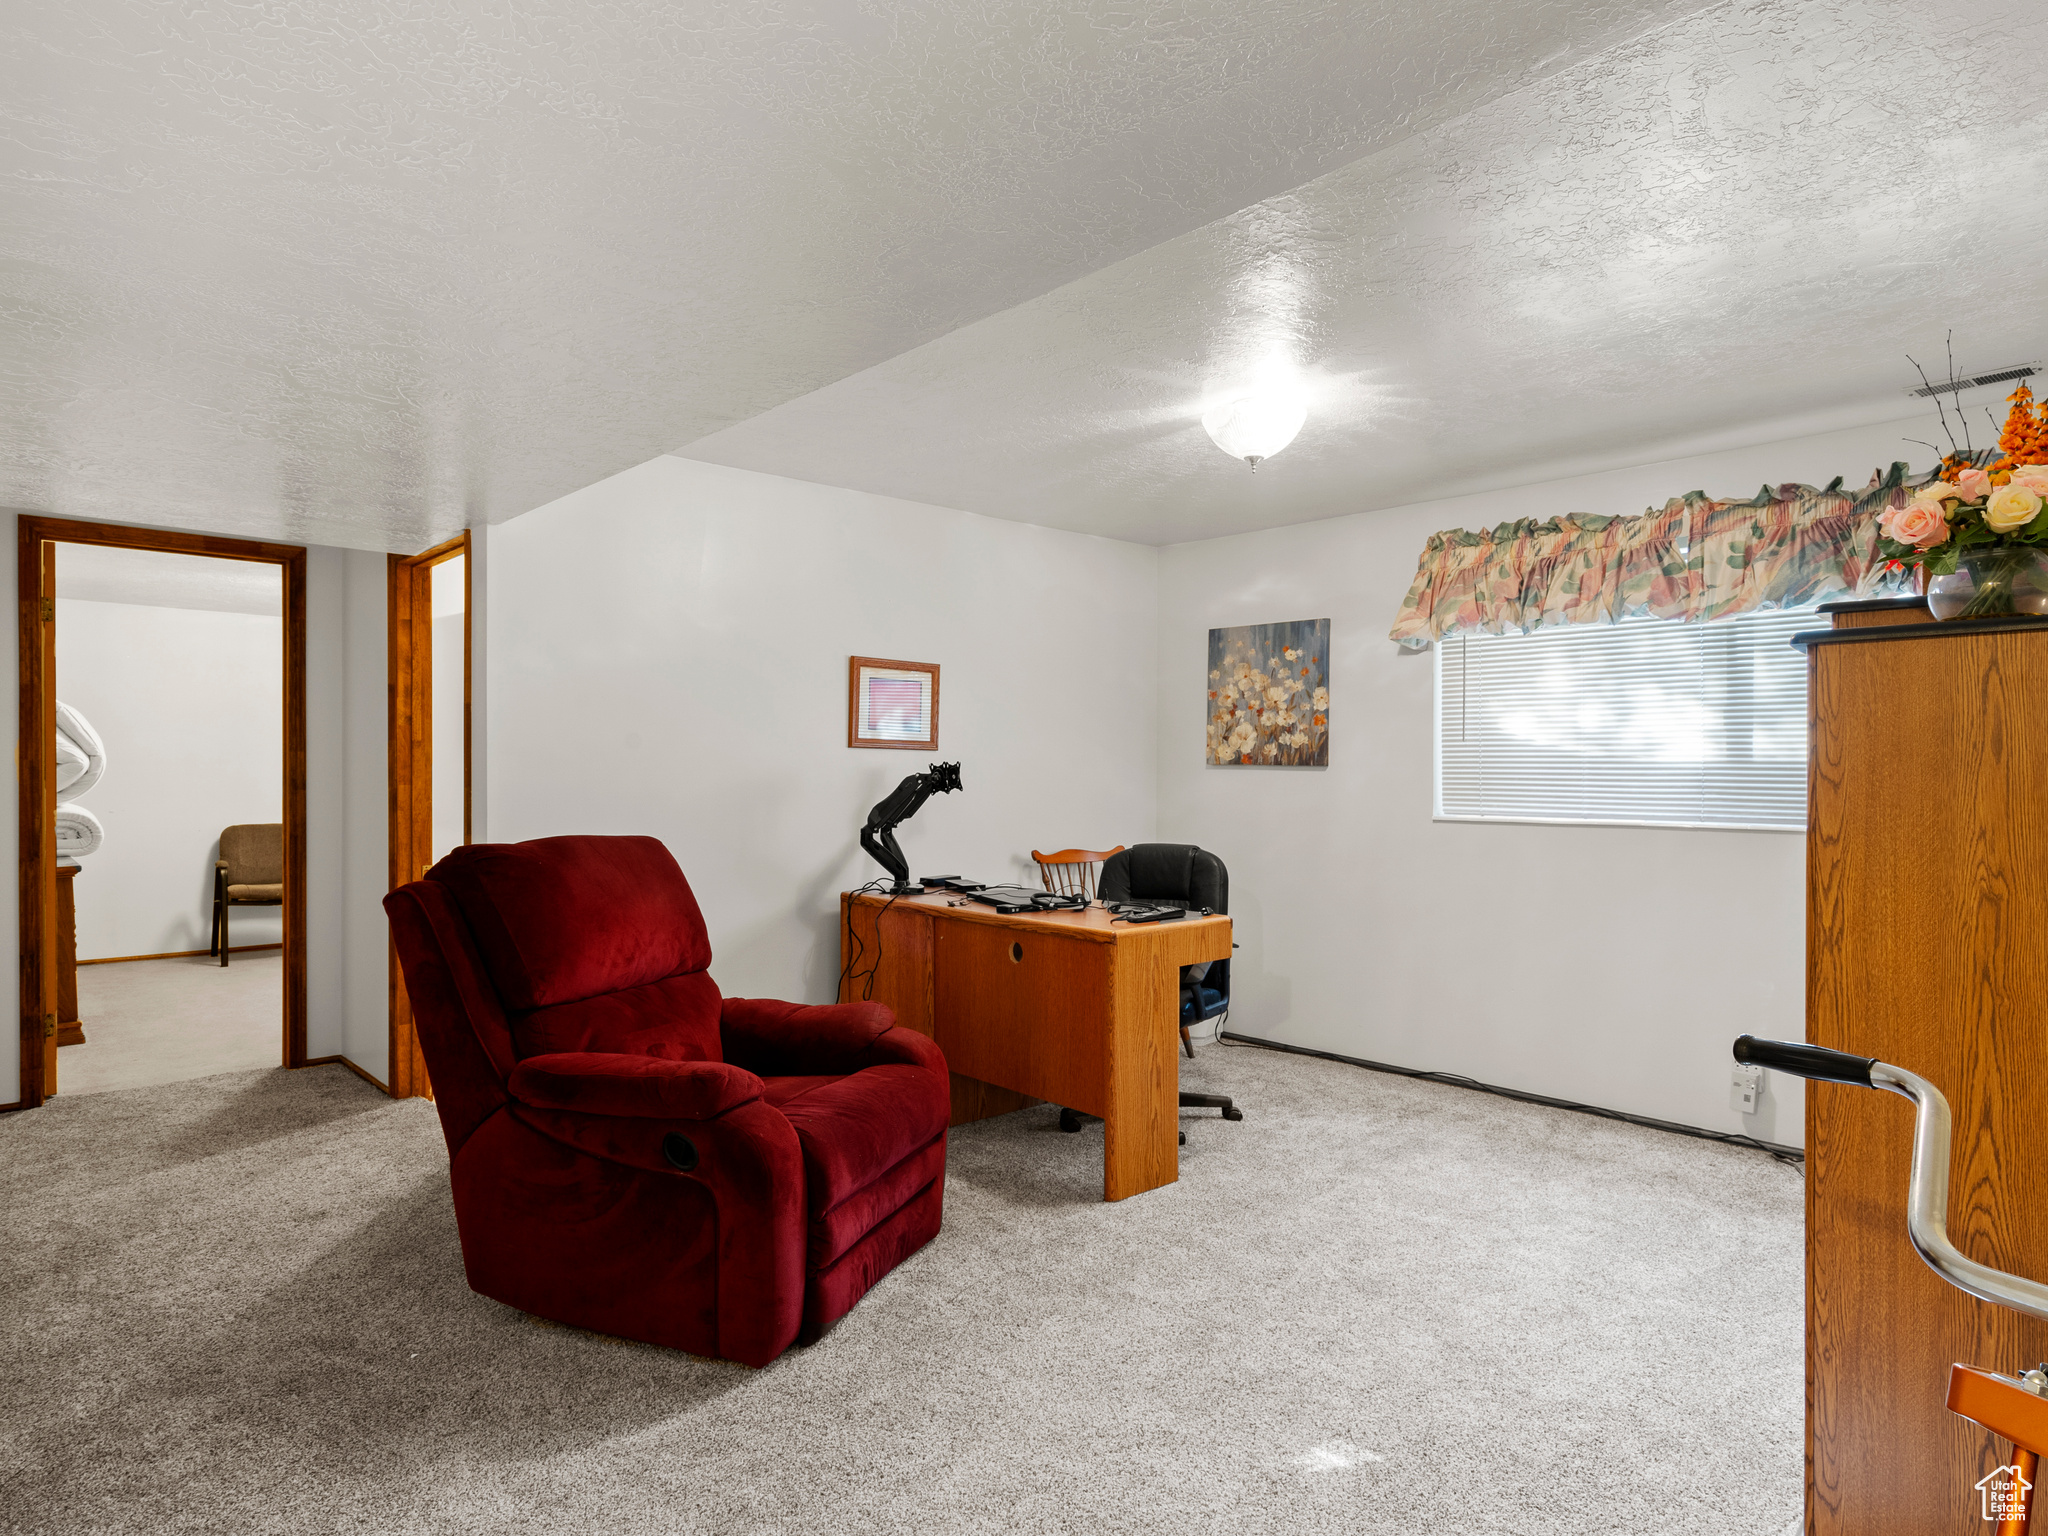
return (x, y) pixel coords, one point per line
(81, 757)
(78, 832)
(81, 760)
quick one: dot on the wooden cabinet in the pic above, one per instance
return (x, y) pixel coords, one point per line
(1927, 946)
(69, 1030)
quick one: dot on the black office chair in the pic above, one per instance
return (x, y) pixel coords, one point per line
(1195, 877)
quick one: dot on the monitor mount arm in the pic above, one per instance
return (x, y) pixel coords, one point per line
(897, 807)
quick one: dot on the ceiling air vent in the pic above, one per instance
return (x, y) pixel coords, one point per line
(1957, 386)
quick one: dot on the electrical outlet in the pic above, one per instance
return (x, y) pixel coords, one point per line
(1745, 1089)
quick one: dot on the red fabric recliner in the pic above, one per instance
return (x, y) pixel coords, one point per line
(630, 1151)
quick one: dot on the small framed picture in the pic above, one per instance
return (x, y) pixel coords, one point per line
(892, 704)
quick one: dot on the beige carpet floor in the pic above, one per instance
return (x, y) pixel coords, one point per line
(165, 1021)
(1378, 1305)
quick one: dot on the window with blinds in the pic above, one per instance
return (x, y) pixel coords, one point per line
(1647, 721)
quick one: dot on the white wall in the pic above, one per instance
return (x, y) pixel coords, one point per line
(364, 937)
(669, 653)
(446, 659)
(1609, 965)
(328, 829)
(190, 704)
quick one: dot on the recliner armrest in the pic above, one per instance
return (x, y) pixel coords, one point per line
(640, 1087)
(778, 1039)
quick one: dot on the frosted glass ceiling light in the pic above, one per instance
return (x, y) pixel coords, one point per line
(1257, 425)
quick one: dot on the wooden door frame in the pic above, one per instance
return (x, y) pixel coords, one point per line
(36, 558)
(408, 606)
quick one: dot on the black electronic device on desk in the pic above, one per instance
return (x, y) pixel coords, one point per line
(951, 883)
(1021, 898)
(1144, 912)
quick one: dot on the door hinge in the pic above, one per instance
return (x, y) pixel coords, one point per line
(49, 608)
(49, 1026)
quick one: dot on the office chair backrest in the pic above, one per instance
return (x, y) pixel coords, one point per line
(1166, 872)
(1172, 872)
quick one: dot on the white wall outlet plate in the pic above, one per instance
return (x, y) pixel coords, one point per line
(1745, 1089)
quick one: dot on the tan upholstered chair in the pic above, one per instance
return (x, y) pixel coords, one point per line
(250, 873)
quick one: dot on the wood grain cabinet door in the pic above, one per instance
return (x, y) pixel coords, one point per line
(1927, 938)
(1025, 1010)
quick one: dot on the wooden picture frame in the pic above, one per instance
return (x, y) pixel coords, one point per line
(909, 721)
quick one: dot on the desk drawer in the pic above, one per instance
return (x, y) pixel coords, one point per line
(1025, 1010)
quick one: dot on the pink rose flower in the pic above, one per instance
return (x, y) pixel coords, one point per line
(1919, 524)
(1974, 484)
(1938, 491)
(2033, 476)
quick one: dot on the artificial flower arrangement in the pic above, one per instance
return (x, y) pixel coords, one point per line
(1987, 512)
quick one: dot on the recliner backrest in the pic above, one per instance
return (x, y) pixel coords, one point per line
(560, 919)
(542, 945)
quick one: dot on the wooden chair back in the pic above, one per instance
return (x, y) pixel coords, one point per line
(1071, 871)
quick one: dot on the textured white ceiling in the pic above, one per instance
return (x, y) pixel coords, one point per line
(363, 273)
(153, 579)
(1729, 230)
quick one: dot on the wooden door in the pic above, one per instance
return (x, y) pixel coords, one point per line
(422, 828)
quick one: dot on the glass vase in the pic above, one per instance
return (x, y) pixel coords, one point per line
(1992, 583)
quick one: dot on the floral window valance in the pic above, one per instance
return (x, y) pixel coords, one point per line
(1694, 558)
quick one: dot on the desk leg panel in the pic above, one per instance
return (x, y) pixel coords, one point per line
(900, 956)
(1141, 1132)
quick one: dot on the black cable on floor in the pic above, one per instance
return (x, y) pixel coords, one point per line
(1790, 1156)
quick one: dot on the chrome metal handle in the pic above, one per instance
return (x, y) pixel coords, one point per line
(1927, 1200)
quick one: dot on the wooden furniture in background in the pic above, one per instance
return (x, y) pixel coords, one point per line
(856, 737)
(409, 656)
(1927, 946)
(69, 1030)
(1070, 1007)
(36, 541)
(248, 873)
(1071, 871)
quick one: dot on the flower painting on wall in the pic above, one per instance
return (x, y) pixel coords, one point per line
(1269, 695)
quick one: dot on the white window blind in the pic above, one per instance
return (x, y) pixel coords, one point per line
(1649, 720)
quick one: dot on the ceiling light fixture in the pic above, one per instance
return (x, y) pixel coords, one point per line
(1258, 423)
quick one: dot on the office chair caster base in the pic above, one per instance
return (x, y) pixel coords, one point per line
(1212, 1101)
(1070, 1120)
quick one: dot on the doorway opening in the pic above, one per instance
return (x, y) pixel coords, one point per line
(429, 655)
(162, 784)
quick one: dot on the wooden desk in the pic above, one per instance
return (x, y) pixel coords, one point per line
(1066, 1006)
